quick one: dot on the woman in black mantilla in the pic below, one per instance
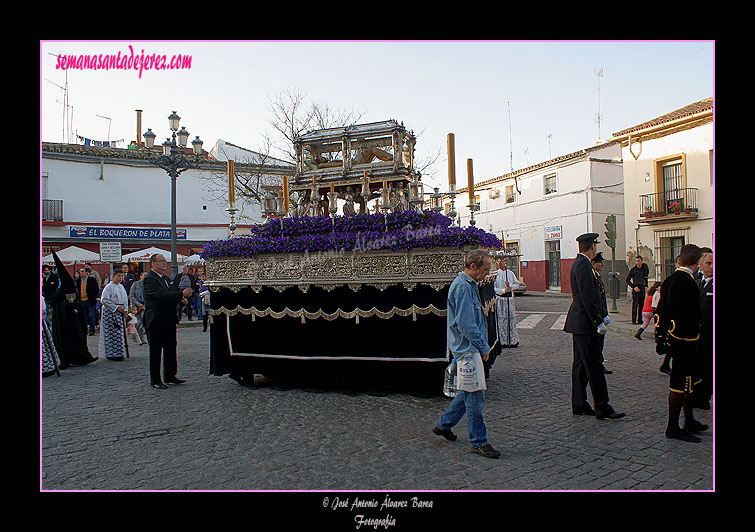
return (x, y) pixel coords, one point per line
(69, 328)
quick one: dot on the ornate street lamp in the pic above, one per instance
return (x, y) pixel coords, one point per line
(436, 200)
(416, 194)
(268, 205)
(174, 162)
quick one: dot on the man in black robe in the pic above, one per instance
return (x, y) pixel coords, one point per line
(678, 331)
(69, 325)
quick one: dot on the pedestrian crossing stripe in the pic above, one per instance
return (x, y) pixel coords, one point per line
(532, 320)
(559, 324)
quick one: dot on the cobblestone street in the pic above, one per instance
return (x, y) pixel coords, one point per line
(104, 428)
(366, 458)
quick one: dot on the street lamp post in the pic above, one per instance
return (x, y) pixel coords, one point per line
(174, 162)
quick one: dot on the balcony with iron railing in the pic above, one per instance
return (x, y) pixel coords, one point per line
(669, 205)
(52, 210)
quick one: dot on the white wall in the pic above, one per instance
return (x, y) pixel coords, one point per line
(577, 195)
(133, 194)
(696, 144)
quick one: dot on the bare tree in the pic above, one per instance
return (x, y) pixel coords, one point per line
(252, 177)
(291, 114)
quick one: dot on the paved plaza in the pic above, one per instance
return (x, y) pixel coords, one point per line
(104, 428)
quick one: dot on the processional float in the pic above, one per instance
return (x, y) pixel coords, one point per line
(311, 286)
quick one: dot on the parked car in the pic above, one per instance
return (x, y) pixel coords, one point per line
(521, 289)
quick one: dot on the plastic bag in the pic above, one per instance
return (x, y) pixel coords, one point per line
(470, 373)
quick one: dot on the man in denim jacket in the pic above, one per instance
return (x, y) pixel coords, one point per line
(467, 333)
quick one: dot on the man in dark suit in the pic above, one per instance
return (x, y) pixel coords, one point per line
(585, 322)
(704, 392)
(677, 330)
(128, 277)
(637, 279)
(87, 291)
(185, 280)
(160, 320)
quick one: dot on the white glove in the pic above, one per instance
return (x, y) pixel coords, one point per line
(602, 329)
(607, 320)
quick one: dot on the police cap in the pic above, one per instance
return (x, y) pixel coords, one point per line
(588, 237)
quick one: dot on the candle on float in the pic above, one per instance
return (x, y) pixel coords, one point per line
(470, 177)
(332, 187)
(451, 162)
(231, 184)
(285, 191)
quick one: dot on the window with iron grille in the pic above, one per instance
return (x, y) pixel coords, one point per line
(553, 252)
(673, 185)
(668, 244)
(512, 262)
(550, 184)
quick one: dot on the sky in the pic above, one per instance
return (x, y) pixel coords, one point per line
(547, 93)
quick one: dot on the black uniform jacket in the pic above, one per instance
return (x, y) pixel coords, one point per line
(706, 310)
(678, 312)
(160, 300)
(585, 313)
(602, 291)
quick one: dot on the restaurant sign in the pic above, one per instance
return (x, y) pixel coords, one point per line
(124, 233)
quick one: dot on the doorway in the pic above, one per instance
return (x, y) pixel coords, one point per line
(553, 252)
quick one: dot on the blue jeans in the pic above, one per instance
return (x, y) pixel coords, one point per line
(91, 315)
(471, 404)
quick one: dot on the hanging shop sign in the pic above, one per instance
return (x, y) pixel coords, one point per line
(553, 233)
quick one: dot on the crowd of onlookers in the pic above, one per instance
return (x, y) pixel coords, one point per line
(90, 284)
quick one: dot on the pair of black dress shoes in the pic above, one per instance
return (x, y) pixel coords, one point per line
(162, 386)
(586, 410)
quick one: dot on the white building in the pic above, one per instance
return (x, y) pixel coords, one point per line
(541, 210)
(95, 194)
(668, 185)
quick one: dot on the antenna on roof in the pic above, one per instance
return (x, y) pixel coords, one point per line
(548, 137)
(108, 125)
(511, 149)
(67, 109)
(599, 74)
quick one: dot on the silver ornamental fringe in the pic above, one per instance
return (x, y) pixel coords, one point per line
(353, 314)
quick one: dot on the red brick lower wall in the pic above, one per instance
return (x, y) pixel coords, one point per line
(535, 275)
(565, 270)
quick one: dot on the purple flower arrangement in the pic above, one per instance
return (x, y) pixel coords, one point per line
(357, 232)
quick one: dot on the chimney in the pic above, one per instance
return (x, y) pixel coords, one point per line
(139, 141)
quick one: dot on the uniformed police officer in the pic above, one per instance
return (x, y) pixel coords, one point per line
(597, 266)
(585, 321)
